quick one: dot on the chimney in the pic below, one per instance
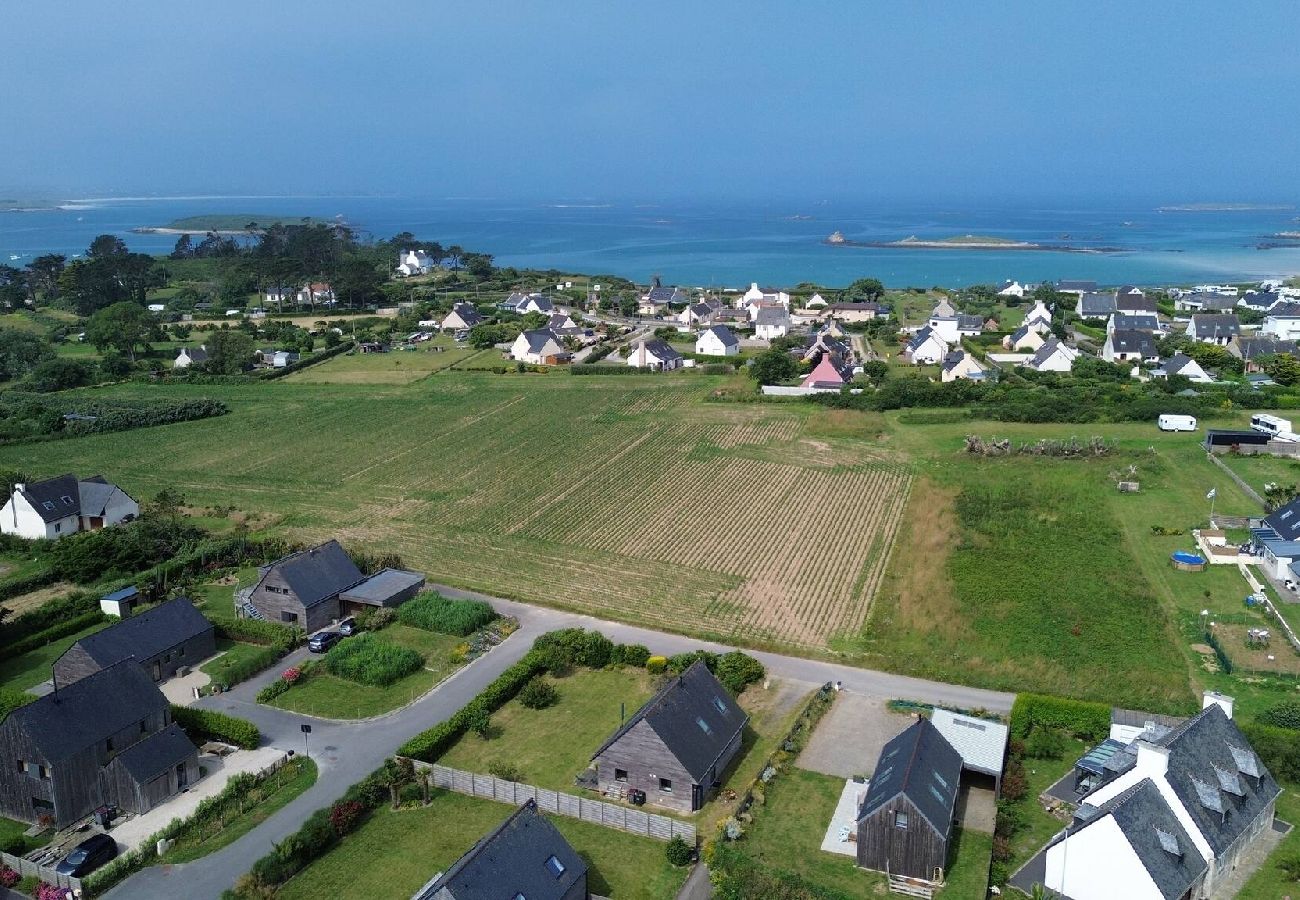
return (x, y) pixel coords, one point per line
(1223, 701)
(1152, 759)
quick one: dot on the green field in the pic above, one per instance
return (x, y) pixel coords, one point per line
(397, 851)
(395, 367)
(30, 669)
(233, 655)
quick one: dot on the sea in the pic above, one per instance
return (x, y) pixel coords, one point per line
(734, 244)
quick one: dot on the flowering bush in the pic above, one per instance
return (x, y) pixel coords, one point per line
(8, 877)
(51, 892)
(344, 816)
(291, 674)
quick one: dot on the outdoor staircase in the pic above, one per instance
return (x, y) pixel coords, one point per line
(252, 612)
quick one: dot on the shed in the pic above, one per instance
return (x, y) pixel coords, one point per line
(120, 603)
(982, 743)
(149, 772)
(387, 587)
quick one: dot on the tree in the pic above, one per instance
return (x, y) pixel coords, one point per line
(107, 246)
(875, 370)
(773, 367)
(1283, 368)
(121, 327)
(13, 287)
(45, 273)
(533, 320)
(21, 351)
(183, 248)
(357, 282)
(455, 255)
(870, 288)
(229, 352)
(479, 265)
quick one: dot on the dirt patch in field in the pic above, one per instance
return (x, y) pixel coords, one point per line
(33, 599)
(925, 592)
(1277, 656)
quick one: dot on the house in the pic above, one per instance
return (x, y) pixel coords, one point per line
(521, 303)
(658, 298)
(105, 739)
(756, 295)
(831, 372)
(991, 324)
(1092, 305)
(905, 822)
(960, 364)
(771, 322)
(1260, 301)
(856, 312)
(676, 747)
(538, 348)
(1053, 356)
(826, 340)
(308, 294)
(717, 341)
(65, 505)
(926, 348)
(560, 324)
(1039, 318)
(943, 308)
(1201, 302)
(523, 857)
(1076, 287)
(1134, 302)
(697, 314)
(654, 354)
(1011, 289)
(1130, 346)
(463, 316)
(952, 328)
(1282, 322)
(1121, 321)
(1024, 339)
(1214, 328)
(816, 301)
(162, 640)
(1172, 816)
(1182, 364)
(1277, 539)
(414, 262)
(311, 588)
(190, 356)
(1249, 348)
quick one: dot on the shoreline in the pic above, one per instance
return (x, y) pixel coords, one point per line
(1019, 246)
(149, 229)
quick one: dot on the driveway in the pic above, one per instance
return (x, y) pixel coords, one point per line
(849, 738)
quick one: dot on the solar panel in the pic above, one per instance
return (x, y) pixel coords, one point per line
(1168, 842)
(1246, 761)
(1230, 781)
(1208, 795)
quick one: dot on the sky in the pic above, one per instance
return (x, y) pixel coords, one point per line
(1093, 101)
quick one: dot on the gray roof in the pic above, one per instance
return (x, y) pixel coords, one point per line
(196, 354)
(1264, 300)
(62, 494)
(1136, 303)
(921, 765)
(1285, 520)
(1020, 332)
(772, 315)
(724, 334)
(1139, 322)
(1142, 342)
(318, 573)
(537, 339)
(1212, 302)
(1216, 323)
(661, 349)
(1045, 352)
(701, 310)
(969, 323)
(512, 861)
(921, 336)
(384, 585)
(1096, 306)
(953, 359)
(1251, 346)
(467, 314)
(86, 712)
(1177, 363)
(981, 743)
(156, 754)
(147, 634)
(864, 306)
(1087, 286)
(675, 714)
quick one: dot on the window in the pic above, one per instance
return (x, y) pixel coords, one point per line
(58, 526)
(620, 775)
(22, 766)
(900, 820)
(44, 772)
(665, 786)
(67, 500)
(48, 504)
(722, 707)
(180, 653)
(554, 864)
(288, 616)
(108, 745)
(704, 726)
(144, 727)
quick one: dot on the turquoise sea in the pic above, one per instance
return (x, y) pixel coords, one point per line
(734, 244)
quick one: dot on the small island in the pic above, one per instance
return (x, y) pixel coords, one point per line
(966, 242)
(1225, 207)
(236, 224)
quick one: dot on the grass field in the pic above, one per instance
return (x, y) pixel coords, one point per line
(1269, 882)
(233, 654)
(397, 851)
(396, 367)
(30, 669)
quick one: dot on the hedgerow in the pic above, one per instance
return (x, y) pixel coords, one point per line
(203, 724)
(445, 615)
(1083, 719)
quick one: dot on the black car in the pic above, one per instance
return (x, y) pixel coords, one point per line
(321, 642)
(89, 855)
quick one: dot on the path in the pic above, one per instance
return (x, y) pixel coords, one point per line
(346, 752)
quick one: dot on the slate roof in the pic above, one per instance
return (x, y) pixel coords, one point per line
(1045, 352)
(1250, 347)
(512, 861)
(921, 336)
(1263, 300)
(541, 301)
(864, 306)
(675, 714)
(381, 587)
(943, 308)
(1129, 291)
(1140, 322)
(537, 339)
(661, 350)
(969, 323)
(467, 314)
(1085, 286)
(1212, 302)
(771, 315)
(1096, 306)
(1038, 313)
(1134, 342)
(981, 743)
(1134, 303)
(1215, 324)
(147, 634)
(1019, 333)
(1177, 363)
(724, 334)
(701, 310)
(660, 295)
(1285, 520)
(156, 754)
(84, 713)
(196, 354)
(1285, 311)
(317, 574)
(924, 767)
(61, 492)
(953, 359)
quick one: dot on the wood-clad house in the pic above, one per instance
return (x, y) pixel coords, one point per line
(905, 821)
(162, 640)
(105, 739)
(677, 746)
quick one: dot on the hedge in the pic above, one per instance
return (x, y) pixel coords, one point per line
(1277, 747)
(19, 586)
(47, 615)
(207, 723)
(53, 633)
(254, 631)
(434, 612)
(1081, 718)
(310, 359)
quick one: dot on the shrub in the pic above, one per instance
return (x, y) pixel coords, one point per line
(291, 675)
(368, 659)
(434, 612)
(570, 647)
(679, 852)
(655, 665)
(210, 724)
(250, 665)
(458, 654)
(1001, 848)
(272, 690)
(1284, 715)
(538, 694)
(737, 670)
(631, 655)
(479, 721)
(1044, 743)
(256, 631)
(9, 877)
(50, 892)
(1290, 867)
(1277, 748)
(1080, 718)
(505, 771)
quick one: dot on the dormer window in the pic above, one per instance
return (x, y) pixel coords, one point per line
(67, 500)
(49, 505)
(555, 866)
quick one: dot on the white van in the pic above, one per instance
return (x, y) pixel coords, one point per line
(1170, 422)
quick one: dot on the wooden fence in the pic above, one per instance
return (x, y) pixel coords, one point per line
(25, 867)
(598, 812)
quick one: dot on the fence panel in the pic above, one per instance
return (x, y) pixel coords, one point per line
(25, 867)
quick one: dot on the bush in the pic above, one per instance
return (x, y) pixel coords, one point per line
(1290, 867)
(505, 771)
(631, 655)
(93, 556)
(53, 633)
(345, 814)
(255, 631)
(570, 647)
(1284, 715)
(368, 659)
(377, 619)
(1080, 718)
(538, 694)
(656, 665)
(737, 670)
(434, 612)
(679, 852)
(204, 724)
(479, 721)
(273, 690)
(1044, 743)
(1277, 748)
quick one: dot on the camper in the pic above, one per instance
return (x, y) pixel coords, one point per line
(1170, 422)
(1277, 429)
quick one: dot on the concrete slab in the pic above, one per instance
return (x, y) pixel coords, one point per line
(977, 807)
(845, 817)
(848, 739)
(180, 691)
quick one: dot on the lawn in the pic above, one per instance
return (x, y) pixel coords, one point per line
(233, 654)
(30, 669)
(9, 829)
(397, 851)
(1039, 825)
(297, 775)
(395, 367)
(331, 697)
(551, 746)
(1270, 882)
(217, 598)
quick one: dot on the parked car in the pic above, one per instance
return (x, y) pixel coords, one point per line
(88, 856)
(322, 641)
(348, 627)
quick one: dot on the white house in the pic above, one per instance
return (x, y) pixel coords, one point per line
(959, 364)
(1128, 322)
(952, 328)
(1182, 364)
(926, 348)
(562, 324)
(190, 356)
(701, 313)
(654, 354)
(462, 317)
(64, 505)
(771, 322)
(656, 300)
(523, 304)
(1214, 328)
(414, 262)
(1011, 289)
(717, 341)
(1039, 318)
(1094, 305)
(756, 295)
(1130, 346)
(1053, 356)
(315, 293)
(1283, 322)
(537, 348)
(816, 301)
(1025, 339)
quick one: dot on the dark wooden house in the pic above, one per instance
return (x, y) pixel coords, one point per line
(105, 739)
(676, 747)
(906, 819)
(525, 856)
(163, 639)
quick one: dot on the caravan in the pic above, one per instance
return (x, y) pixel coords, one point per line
(1276, 428)
(1171, 422)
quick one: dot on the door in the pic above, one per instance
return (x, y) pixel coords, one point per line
(182, 776)
(697, 796)
(157, 670)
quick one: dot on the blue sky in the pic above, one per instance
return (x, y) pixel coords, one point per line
(1061, 101)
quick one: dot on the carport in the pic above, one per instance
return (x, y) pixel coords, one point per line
(387, 587)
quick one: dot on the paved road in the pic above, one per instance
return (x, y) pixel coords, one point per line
(348, 751)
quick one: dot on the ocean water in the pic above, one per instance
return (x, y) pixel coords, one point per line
(731, 245)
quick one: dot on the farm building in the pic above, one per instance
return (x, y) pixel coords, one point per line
(107, 738)
(676, 747)
(905, 822)
(162, 640)
(538, 348)
(65, 505)
(717, 341)
(654, 354)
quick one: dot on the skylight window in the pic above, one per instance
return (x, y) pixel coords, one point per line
(722, 707)
(555, 866)
(704, 726)
(939, 778)
(938, 796)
